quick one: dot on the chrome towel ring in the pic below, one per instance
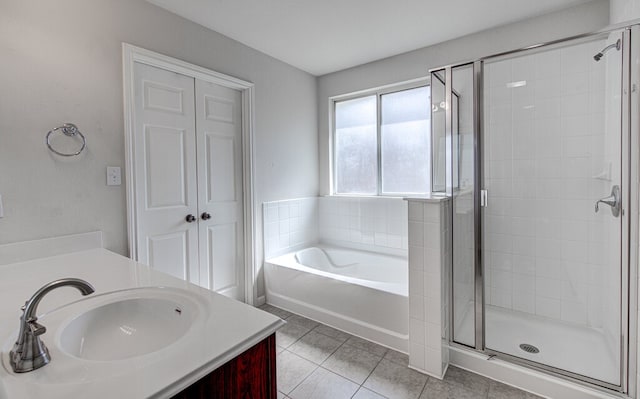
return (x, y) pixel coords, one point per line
(71, 130)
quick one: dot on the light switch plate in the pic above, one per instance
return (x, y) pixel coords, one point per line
(114, 176)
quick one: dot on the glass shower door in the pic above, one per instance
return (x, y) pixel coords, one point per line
(454, 120)
(552, 139)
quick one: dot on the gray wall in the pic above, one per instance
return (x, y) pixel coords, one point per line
(415, 64)
(61, 62)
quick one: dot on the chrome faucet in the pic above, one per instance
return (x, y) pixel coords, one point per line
(613, 201)
(29, 352)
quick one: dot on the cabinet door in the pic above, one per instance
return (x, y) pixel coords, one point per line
(251, 375)
(219, 157)
(164, 162)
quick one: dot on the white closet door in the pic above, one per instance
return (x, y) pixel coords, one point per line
(165, 171)
(219, 148)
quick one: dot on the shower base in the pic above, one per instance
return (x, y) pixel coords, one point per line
(578, 349)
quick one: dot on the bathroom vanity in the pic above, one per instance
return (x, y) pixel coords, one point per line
(141, 334)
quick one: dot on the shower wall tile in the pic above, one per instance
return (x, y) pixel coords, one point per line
(375, 224)
(289, 225)
(429, 281)
(549, 156)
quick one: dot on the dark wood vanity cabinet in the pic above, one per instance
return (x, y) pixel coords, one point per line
(251, 375)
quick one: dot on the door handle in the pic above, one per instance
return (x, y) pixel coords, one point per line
(190, 218)
(613, 201)
(205, 216)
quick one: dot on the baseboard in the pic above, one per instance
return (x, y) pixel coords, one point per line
(261, 300)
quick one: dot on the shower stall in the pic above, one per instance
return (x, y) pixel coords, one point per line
(534, 147)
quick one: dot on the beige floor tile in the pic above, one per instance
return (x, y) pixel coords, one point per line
(367, 345)
(498, 390)
(303, 321)
(395, 381)
(291, 371)
(397, 357)
(436, 389)
(364, 393)
(332, 332)
(281, 313)
(315, 347)
(323, 384)
(290, 333)
(353, 363)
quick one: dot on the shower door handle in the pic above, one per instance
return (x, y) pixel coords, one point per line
(613, 201)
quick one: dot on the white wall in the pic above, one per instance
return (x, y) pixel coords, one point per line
(623, 10)
(61, 62)
(585, 18)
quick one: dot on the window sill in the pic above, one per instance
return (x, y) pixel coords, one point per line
(399, 196)
(432, 198)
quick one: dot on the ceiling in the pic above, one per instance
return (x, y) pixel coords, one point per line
(323, 36)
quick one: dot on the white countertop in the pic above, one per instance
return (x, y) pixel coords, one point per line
(225, 329)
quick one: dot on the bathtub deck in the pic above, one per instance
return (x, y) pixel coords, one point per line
(317, 361)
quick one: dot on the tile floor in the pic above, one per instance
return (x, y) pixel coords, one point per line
(318, 362)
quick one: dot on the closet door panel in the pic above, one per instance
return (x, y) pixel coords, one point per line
(222, 245)
(221, 160)
(166, 177)
(165, 171)
(219, 157)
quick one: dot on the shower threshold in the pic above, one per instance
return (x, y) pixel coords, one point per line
(567, 346)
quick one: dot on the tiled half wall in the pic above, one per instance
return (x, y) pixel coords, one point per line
(429, 267)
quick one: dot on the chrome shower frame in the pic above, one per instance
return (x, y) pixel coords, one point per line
(630, 179)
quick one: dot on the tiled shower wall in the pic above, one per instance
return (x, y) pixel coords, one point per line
(371, 224)
(545, 165)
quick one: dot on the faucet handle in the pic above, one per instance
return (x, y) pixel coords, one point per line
(36, 328)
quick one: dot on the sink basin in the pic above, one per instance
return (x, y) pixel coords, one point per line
(127, 328)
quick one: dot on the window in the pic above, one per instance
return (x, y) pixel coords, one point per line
(382, 143)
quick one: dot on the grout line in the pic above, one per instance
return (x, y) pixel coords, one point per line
(361, 386)
(305, 378)
(424, 387)
(327, 335)
(369, 376)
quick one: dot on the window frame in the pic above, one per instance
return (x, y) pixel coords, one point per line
(378, 92)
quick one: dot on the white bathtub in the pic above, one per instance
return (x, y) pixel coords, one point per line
(363, 293)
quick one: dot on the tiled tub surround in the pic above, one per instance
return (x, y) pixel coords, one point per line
(370, 224)
(375, 224)
(289, 225)
(373, 233)
(429, 267)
